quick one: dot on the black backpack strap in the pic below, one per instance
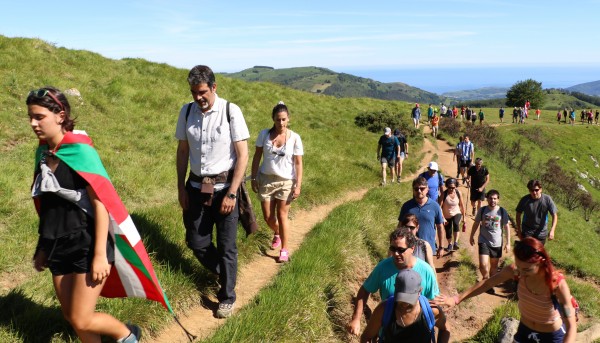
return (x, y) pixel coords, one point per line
(227, 111)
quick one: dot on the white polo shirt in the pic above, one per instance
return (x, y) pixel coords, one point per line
(210, 136)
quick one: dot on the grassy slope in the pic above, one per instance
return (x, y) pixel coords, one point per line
(129, 107)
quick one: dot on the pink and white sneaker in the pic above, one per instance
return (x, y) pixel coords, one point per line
(276, 242)
(284, 256)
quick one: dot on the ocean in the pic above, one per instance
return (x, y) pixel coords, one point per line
(439, 80)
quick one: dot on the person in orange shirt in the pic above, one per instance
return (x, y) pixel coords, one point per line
(435, 124)
(537, 113)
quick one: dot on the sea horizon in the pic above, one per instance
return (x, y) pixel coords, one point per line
(440, 80)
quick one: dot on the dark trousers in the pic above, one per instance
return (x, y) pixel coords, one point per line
(199, 220)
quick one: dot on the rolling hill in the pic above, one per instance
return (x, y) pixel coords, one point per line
(324, 81)
(478, 94)
(590, 88)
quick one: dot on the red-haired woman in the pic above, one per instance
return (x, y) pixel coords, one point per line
(541, 320)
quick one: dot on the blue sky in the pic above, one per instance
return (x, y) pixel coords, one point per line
(367, 38)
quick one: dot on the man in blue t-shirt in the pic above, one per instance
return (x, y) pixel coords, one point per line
(435, 181)
(388, 150)
(383, 277)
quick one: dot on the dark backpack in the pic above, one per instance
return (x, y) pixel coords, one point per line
(425, 307)
(445, 195)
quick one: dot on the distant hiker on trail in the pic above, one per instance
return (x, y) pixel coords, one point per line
(501, 114)
(572, 116)
(463, 112)
(538, 113)
(465, 152)
(403, 152)
(535, 208)
(383, 277)
(515, 115)
(278, 182)
(430, 112)
(416, 115)
(544, 298)
(212, 139)
(481, 116)
(388, 150)
(429, 213)
(422, 249)
(453, 210)
(80, 214)
(478, 178)
(406, 316)
(522, 115)
(454, 112)
(435, 180)
(558, 116)
(596, 117)
(491, 220)
(435, 125)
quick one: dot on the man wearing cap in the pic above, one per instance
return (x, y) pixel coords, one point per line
(428, 213)
(407, 321)
(435, 181)
(388, 150)
(535, 208)
(403, 152)
(477, 178)
(383, 277)
(416, 115)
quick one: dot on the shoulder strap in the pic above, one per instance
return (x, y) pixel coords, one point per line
(440, 179)
(426, 308)
(387, 315)
(189, 108)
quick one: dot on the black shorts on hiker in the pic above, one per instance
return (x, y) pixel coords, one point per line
(477, 195)
(486, 249)
(465, 163)
(452, 225)
(74, 253)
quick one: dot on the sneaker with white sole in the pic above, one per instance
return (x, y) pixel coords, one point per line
(276, 242)
(284, 256)
(135, 334)
(225, 310)
(449, 248)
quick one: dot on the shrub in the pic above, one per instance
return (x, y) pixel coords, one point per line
(450, 126)
(377, 121)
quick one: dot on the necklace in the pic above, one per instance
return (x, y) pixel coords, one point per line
(402, 320)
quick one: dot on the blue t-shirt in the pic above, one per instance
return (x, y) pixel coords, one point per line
(434, 183)
(429, 215)
(383, 279)
(389, 146)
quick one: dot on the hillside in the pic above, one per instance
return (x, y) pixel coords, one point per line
(589, 88)
(341, 85)
(478, 94)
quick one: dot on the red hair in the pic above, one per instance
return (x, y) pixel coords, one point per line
(530, 250)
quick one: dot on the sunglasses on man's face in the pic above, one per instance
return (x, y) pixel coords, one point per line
(398, 250)
(421, 189)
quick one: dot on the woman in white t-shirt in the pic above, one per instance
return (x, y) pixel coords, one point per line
(279, 179)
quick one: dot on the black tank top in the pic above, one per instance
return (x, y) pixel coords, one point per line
(417, 332)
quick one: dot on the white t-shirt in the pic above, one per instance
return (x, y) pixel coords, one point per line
(210, 136)
(273, 163)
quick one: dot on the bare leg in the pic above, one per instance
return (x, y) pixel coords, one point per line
(283, 208)
(494, 266)
(484, 266)
(268, 210)
(78, 294)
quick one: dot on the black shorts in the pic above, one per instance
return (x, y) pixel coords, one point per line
(465, 163)
(486, 249)
(74, 253)
(477, 195)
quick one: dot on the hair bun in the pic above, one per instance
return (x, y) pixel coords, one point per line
(280, 103)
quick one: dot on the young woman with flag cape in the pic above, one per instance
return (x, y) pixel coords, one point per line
(87, 238)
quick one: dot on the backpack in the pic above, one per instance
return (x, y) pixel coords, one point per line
(445, 195)
(440, 177)
(557, 305)
(425, 307)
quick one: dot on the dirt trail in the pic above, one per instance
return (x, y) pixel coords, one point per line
(257, 274)
(468, 318)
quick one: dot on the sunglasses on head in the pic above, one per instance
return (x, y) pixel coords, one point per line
(399, 250)
(40, 93)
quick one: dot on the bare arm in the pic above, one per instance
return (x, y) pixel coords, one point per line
(183, 155)
(518, 222)
(473, 231)
(299, 170)
(258, 152)
(241, 152)
(440, 228)
(507, 229)
(563, 295)
(429, 254)
(373, 326)
(100, 266)
(487, 179)
(362, 296)
(554, 222)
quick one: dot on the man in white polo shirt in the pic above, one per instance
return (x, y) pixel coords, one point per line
(212, 138)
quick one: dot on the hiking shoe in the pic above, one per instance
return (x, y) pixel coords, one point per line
(134, 336)
(276, 242)
(284, 256)
(456, 247)
(225, 310)
(382, 183)
(449, 248)
(398, 179)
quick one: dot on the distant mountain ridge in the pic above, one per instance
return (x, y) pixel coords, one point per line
(589, 88)
(483, 93)
(325, 81)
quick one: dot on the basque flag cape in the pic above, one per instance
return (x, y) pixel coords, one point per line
(132, 274)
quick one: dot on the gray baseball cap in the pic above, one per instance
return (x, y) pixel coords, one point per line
(408, 286)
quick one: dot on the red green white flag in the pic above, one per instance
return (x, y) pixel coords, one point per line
(132, 274)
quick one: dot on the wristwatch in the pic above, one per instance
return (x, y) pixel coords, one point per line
(231, 196)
